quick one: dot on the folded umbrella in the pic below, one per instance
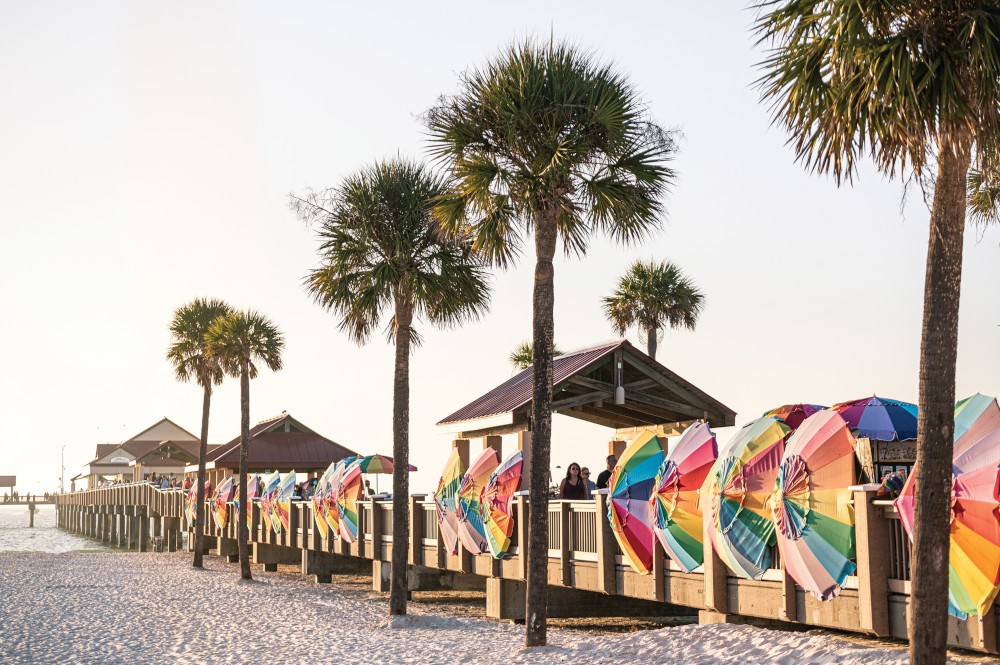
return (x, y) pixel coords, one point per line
(446, 501)
(738, 486)
(629, 490)
(675, 502)
(281, 504)
(222, 496)
(348, 495)
(974, 552)
(498, 497)
(267, 497)
(812, 504)
(471, 530)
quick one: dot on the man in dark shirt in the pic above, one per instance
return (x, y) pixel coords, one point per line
(604, 476)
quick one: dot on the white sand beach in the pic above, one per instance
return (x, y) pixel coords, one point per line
(113, 607)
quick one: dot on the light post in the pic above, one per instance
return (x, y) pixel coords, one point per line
(62, 471)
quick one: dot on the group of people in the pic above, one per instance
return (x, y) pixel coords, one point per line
(163, 482)
(577, 484)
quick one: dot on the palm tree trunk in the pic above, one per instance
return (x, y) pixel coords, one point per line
(541, 432)
(400, 458)
(199, 513)
(651, 333)
(244, 534)
(938, 352)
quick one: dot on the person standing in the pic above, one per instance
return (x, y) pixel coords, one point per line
(587, 482)
(573, 486)
(605, 476)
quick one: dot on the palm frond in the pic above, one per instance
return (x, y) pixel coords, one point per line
(188, 350)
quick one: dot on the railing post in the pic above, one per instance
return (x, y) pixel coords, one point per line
(522, 535)
(659, 572)
(872, 539)
(564, 543)
(416, 532)
(376, 530)
(607, 577)
(715, 573)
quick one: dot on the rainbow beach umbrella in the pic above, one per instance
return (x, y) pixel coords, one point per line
(192, 503)
(471, 529)
(974, 552)
(378, 464)
(812, 504)
(348, 494)
(253, 489)
(793, 414)
(319, 501)
(498, 496)
(880, 418)
(738, 487)
(332, 496)
(267, 497)
(222, 496)
(629, 490)
(675, 502)
(281, 504)
(446, 501)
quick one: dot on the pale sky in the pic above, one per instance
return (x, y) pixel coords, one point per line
(147, 151)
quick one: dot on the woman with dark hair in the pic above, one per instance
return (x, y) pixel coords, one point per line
(572, 486)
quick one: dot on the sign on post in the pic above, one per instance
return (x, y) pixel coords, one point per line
(8, 481)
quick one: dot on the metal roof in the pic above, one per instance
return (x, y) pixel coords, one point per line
(272, 447)
(516, 392)
(583, 387)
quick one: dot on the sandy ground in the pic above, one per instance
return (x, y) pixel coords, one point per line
(118, 607)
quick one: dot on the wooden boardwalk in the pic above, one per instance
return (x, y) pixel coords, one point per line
(587, 574)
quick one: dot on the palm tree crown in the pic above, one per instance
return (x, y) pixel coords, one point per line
(380, 242)
(653, 295)
(188, 351)
(523, 355)
(894, 80)
(547, 128)
(243, 340)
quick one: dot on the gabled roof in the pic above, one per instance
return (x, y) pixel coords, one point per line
(177, 433)
(583, 386)
(174, 451)
(281, 443)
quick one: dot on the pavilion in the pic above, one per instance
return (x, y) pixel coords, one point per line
(281, 443)
(113, 461)
(615, 385)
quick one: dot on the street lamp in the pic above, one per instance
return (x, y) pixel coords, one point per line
(62, 472)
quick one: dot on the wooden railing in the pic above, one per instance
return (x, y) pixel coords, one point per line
(583, 554)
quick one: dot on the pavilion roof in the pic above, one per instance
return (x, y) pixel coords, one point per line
(583, 386)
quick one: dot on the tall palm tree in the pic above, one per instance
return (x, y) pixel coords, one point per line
(523, 355)
(241, 341)
(382, 252)
(188, 353)
(653, 295)
(547, 140)
(915, 85)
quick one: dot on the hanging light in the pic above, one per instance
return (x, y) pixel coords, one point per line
(619, 389)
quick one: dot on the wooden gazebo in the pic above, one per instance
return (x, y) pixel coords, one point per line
(614, 385)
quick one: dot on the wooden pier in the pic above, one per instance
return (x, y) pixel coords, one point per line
(587, 574)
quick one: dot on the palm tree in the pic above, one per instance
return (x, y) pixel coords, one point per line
(654, 295)
(189, 355)
(547, 140)
(915, 85)
(383, 252)
(524, 353)
(241, 341)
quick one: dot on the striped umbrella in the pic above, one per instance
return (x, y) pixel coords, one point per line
(793, 414)
(629, 489)
(222, 496)
(471, 530)
(330, 500)
(348, 493)
(318, 501)
(497, 499)
(192, 503)
(812, 504)
(281, 504)
(880, 418)
(267, 498)
(739, 485)
(446, 501)
(675, 503)
(974, 552)
(378, 464)
(253, 489)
